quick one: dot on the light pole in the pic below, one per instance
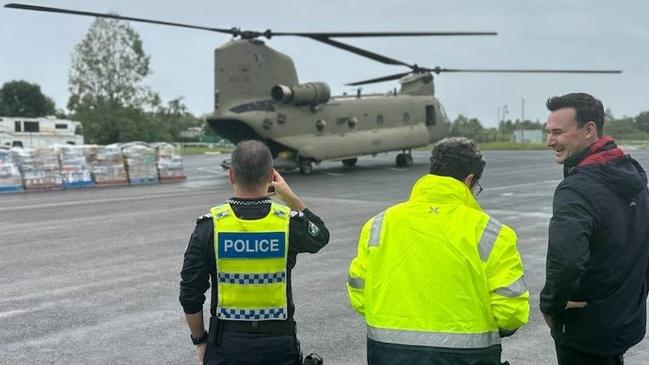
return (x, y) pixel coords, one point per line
(505, 112)
(522, 119)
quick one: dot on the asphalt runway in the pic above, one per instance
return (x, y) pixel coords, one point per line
(92, 276)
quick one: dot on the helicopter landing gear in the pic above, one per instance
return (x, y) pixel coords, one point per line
(306, 167)
(404, 159)
(350, 162)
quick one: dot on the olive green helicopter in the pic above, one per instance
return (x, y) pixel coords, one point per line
(257, 95)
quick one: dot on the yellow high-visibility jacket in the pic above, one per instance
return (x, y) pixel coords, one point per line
(438, 271)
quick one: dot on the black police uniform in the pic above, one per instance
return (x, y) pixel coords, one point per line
(249, 342)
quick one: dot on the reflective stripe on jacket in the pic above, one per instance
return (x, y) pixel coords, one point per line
(251, 260)
(438, 271)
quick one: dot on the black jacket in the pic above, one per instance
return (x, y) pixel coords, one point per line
(199, 265)
(599, 252)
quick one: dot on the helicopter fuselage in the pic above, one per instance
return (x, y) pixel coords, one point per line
(344, 127)
(341, 127)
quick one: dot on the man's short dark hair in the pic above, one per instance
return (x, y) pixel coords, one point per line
(251, 163)
(457, 157)
(586, 106)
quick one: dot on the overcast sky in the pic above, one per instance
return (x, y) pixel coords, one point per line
(588, 34)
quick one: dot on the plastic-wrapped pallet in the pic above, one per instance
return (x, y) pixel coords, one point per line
(106, 164)
(170, 162)
(140, 163)
(74, 167)
(10, 179)
(40, 169)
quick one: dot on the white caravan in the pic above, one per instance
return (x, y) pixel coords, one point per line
(39, 132)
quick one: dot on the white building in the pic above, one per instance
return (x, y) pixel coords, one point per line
(528, 136)
(39, 132)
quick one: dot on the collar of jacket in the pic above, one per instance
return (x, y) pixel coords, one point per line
(599, 153)
(442, 189)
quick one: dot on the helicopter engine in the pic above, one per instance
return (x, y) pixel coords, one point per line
(310, 93)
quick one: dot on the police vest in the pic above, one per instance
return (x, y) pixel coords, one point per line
(251, 260)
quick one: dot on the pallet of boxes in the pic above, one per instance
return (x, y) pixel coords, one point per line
(106, 165)
(140, 162)
(169, 162)
(40, 169)
(75, 169)
(10, 179)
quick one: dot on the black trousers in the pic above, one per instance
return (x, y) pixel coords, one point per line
(236, 348)
(571, 356)
(379, 353)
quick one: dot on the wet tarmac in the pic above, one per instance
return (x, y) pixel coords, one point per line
(92, 276)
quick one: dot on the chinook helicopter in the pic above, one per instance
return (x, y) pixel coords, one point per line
(257, 95)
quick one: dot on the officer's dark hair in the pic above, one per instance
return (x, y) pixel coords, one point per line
(586, 106)
(457, 157)
(251, 163)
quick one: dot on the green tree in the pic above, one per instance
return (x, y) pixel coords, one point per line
(466, 127)
(642, 122)
(109, 65)
(175, 118)
(620, 127)
(106, 85)
(19, 98)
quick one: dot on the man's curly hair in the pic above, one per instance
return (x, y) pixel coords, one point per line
(457, 157)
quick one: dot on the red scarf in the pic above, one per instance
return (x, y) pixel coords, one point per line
(602, 152)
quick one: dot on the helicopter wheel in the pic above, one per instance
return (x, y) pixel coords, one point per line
(306, 168)
(350, 162)
(404, 160)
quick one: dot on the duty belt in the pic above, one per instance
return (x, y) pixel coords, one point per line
(264, 327)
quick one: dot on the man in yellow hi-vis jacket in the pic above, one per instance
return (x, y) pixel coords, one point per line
(438, 280)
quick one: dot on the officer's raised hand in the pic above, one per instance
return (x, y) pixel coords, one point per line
(285, 193)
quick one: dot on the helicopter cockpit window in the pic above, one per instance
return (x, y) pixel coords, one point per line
(430, 115)
(380, 119)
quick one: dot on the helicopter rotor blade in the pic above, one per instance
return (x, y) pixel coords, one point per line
(115, 16)
(379, 34)
(438, 70)
(361, 52)
(380, 79)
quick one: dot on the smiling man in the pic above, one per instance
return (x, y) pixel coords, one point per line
(594, 298)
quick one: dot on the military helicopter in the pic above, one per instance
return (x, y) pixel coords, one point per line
(257, 95)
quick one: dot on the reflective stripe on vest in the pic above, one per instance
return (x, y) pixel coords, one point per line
(267, 278)
(515, 289)
(375, 231)
(488, 239)
(434, 339)
(251, 263)
(251, 314)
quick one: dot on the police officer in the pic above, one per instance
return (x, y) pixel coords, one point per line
(437, 280)
(247, 248)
